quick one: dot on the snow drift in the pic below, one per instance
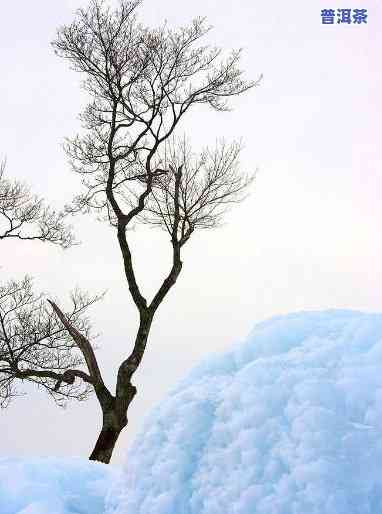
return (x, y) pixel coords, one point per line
(53, 486)
(288, 422)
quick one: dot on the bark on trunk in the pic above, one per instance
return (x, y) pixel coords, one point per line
(115, 408)
(113, 423)
(104, 446)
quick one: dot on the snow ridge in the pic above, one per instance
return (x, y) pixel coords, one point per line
(287, 422)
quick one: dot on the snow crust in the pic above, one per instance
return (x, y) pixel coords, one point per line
(287, 422)
(53, 486)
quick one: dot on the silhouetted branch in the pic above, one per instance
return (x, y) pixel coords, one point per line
(35, 346)
(25, 216)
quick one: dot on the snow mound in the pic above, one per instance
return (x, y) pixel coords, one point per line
(53, 486)
(288, 422)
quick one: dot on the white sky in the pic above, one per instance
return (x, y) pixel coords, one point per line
(308, 238)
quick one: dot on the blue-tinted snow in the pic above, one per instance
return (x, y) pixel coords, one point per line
(288, 422)
(53, 486)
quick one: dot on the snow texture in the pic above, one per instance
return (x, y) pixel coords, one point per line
(288, 422)
(53, 486)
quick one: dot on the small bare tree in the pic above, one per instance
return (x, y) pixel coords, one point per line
(26, 216)
(142, 82)
(34, 345)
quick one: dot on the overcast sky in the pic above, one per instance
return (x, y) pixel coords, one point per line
(309, 237)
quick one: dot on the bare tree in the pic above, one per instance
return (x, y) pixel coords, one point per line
(142, 82)
(25, 216)
(34, 345)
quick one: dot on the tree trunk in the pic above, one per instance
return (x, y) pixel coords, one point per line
(104, 446)
(115, 409)
(111, 428)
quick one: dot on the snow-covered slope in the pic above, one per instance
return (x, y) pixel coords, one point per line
(53, 486)
(288, 422)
